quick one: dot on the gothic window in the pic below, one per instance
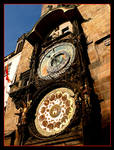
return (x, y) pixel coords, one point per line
(19, 46)
(25, 78)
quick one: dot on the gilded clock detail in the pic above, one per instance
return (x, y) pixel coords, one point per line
(55, 111)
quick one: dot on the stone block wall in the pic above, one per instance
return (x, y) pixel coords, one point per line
(97, 31)
(25, 59)
(10, 120)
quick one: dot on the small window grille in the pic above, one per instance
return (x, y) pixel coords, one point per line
(107, 42)
(65, 30)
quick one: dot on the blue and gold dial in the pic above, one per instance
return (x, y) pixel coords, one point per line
(56, 60)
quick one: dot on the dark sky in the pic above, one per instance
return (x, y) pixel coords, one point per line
(19, 19)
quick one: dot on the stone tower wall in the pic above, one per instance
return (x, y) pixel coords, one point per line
(97, 31)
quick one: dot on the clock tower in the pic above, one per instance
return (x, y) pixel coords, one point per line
(63, 91)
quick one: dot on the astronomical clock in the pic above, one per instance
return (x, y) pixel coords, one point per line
(56, 60)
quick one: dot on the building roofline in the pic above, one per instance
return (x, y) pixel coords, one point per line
(10, 55)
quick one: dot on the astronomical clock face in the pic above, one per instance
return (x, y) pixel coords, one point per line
(56, 60)
(55, 112)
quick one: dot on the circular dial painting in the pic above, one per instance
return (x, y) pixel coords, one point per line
(56, 60)
(55, 111)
